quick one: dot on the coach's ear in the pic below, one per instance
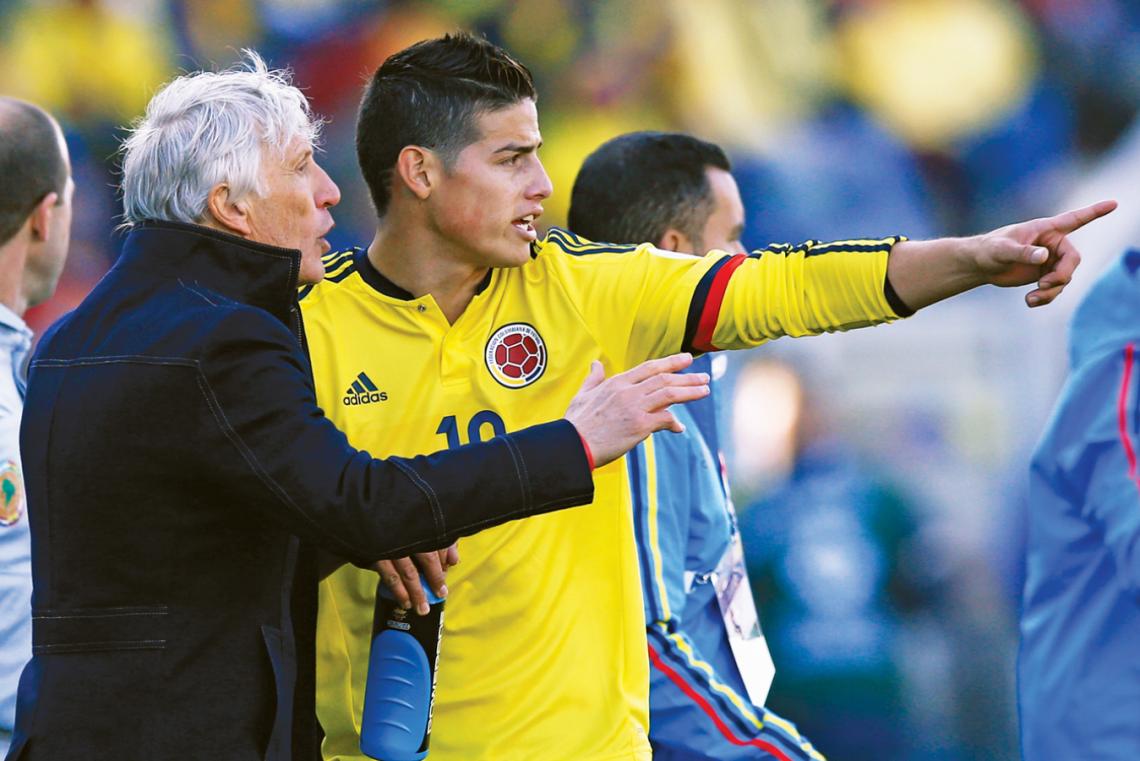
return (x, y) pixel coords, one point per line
(675, 240)
(417, 169)
(229, 216)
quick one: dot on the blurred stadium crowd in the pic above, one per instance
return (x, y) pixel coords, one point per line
(885, 481)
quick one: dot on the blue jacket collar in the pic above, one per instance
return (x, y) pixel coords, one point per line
(252, 273)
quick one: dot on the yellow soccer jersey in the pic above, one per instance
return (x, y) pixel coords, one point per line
(543, 653)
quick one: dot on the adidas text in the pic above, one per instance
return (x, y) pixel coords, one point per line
(363, 391)
(368, 398)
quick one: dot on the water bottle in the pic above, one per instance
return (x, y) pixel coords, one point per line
(400, 687)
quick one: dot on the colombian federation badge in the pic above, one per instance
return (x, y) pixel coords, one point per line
(11, 493)
(516, 355)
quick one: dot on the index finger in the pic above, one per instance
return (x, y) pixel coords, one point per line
(671, 364)
(1071, 221)
(391, 579)
(434, 573)
(411, 578)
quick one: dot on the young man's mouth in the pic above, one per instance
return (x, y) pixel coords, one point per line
(525, 226)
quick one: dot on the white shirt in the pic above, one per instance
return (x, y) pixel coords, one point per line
(15, 538)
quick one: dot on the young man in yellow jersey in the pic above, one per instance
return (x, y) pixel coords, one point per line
(468, 324)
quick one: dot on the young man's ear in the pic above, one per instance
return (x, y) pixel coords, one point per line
(230, 216)
(675, 240)
(41, 216)
(416, 170)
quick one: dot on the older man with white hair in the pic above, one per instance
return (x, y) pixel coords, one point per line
(179, 471)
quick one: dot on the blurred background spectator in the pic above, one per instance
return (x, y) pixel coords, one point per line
(838, 570)
(843, 117)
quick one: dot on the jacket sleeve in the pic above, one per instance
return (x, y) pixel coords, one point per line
(695, 713)
(274, 438)
(1100, 456)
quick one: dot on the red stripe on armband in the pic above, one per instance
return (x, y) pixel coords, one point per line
(702, 341)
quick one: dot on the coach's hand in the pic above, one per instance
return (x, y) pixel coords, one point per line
(613, 414)
(403, 579)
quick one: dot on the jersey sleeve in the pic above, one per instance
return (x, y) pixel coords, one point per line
(642, 302)
(784, 290)
(632, 299)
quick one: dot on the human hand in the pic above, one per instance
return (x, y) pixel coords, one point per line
(613, 414)
(1036, 251)
(403, 578)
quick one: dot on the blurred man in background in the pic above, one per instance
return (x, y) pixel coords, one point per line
(836, 561)
(544, 654)
(35, 223)
(677, 192)
(1078, 669)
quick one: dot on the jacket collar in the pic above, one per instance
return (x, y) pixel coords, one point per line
(253, 273)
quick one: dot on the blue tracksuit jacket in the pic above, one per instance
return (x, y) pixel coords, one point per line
(684, 522)
(1079, 665)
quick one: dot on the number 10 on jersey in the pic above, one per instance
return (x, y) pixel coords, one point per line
(449, 427)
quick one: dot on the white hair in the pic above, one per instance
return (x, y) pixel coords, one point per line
(207, 128)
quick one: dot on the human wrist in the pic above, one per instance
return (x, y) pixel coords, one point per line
(586, 449)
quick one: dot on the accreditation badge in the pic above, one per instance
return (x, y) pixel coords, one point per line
(749, 647)
(11, 493)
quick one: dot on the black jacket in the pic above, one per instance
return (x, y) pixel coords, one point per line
(173, 453)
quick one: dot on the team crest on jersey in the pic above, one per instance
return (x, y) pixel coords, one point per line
(516, 355)
(11, 494)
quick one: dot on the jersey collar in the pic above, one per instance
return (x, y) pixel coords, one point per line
(378, 282)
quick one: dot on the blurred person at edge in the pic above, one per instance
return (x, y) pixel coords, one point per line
(544, 655)
(833, 553)
(35, 225)
(677, 192)
(1078, 670)
(178, 470)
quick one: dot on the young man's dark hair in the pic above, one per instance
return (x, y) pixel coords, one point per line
(429, 95)
(31, 163)
(658, 180)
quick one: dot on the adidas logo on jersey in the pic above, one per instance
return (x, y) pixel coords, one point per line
(363, 391)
